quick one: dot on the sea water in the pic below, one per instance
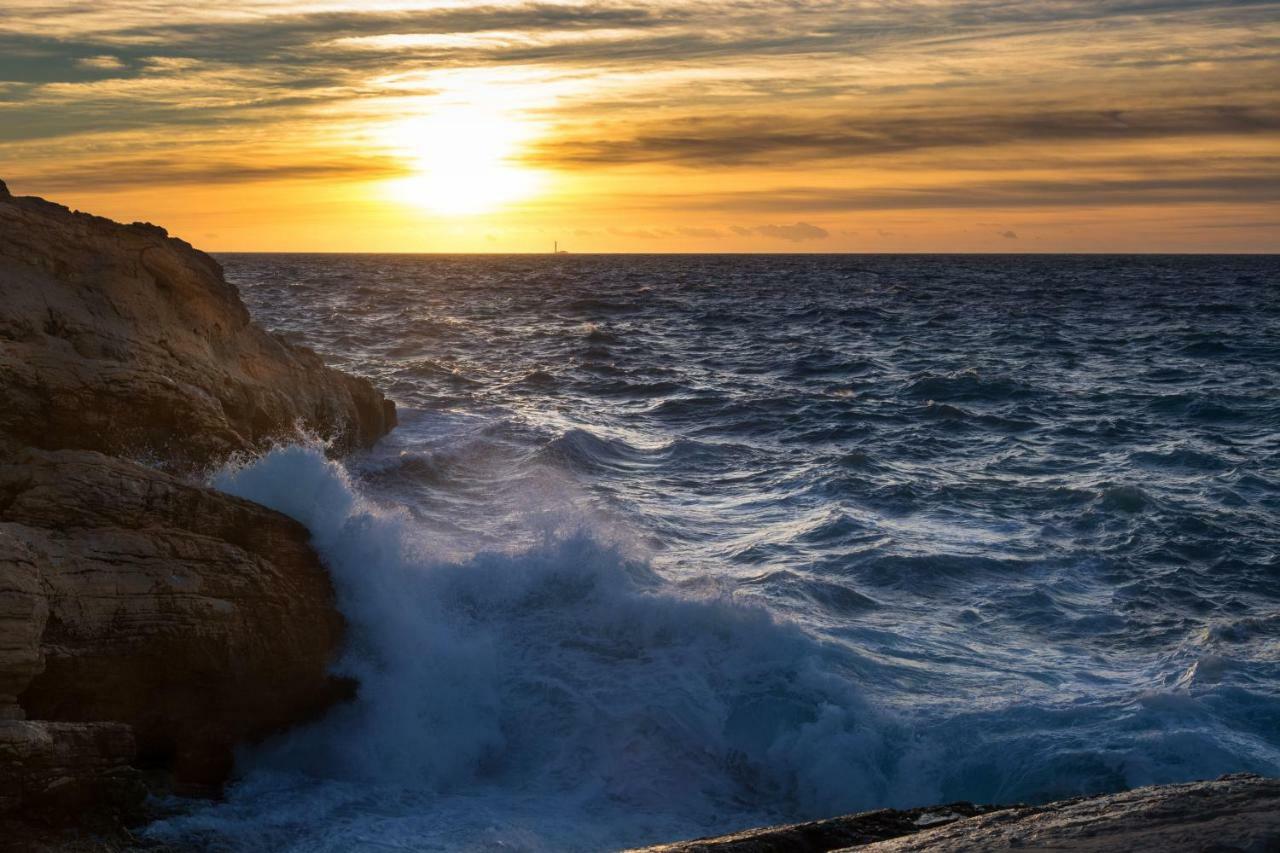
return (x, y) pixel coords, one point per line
(667, 546)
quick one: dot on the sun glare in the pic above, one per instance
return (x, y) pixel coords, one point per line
(462, 160)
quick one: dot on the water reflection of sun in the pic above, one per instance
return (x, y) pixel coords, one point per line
(462, 157)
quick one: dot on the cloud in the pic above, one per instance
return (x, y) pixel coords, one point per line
(698, 142)
(178, 171)
(640, 233)
(102, 63)
(702, 233)
(796, 233)
(1262, 187)
(672, 30)
(332, 49)
(1008, 235)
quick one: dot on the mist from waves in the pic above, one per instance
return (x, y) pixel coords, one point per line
(671, 546)
(559, 697)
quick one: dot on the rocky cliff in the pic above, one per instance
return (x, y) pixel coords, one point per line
(147, 622)
(120, 339)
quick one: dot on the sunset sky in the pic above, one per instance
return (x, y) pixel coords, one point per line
(663, 126)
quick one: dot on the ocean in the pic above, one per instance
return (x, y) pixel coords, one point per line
(667, 546)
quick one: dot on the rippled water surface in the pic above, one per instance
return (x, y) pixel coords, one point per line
(672, 545)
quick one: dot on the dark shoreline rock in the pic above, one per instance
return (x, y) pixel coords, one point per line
(1239, 813)
(837, 833)
(199, 619)
(148, 624)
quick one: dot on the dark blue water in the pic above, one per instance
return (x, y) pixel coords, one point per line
(673, 545)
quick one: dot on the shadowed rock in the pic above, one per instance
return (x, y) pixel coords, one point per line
(820, 836)
(60, 768)
(1235, 814)
(199, 619)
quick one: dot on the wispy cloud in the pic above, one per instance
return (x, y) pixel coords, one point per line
(101, 63)
(698, 142)
(121, 174)
(795, 233)
(1010, 194)
(700, 233)
(640, 233)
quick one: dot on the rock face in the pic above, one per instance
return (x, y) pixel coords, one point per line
(200, 619)
(1235, 814)
(120, 339)
(147, 621)
(59, 768)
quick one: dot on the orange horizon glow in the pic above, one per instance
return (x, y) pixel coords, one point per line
(662, 126)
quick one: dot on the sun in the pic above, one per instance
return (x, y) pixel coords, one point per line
(462, 159)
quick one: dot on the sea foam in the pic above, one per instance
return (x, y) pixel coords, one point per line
(566, 693)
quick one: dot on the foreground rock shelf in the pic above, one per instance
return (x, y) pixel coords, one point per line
(148, 624)
(1235, 814)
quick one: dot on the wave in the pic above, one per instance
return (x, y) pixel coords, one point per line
(1180, 459)
(567, 697)
(570, 671)
(583, 450)
(968, 385)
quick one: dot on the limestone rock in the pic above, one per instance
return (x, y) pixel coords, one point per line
(120, 339)
(145, 620)
(198, 619)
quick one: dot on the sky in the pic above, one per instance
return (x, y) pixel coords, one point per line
(660, 126)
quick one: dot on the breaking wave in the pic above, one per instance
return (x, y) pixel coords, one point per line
(567, 697)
